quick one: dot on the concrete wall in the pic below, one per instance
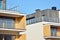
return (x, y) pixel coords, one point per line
(49, 15)
(34, 32)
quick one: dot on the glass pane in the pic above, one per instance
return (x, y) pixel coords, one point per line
(8, 23)
(1, 36)
(9, 37)
(53, 31)
(1, 22)
(0, 4)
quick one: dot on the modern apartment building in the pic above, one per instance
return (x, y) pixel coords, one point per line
(48, 15)
(12, 24)
(43, 25)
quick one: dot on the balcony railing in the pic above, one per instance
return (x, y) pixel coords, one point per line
(40, 19)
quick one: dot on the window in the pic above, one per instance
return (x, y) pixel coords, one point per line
(7, 37)
(31, 20)
(1, 22)
(1, 37)
(0, 4)
(8, 23)
(44, 18)
(53, 31)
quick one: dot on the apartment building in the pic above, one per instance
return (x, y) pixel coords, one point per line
(48, 15)
(12, 24)
(43, 25)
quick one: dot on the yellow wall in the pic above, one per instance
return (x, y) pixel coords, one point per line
(21, 22)
(58, 31)
(21, 37)
(46, 30)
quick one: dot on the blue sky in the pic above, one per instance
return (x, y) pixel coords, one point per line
(29, 6)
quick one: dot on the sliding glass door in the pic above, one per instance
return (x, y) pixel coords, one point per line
(6, 22)
(9, 23)
(7, 37)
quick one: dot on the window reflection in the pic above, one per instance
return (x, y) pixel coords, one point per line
(31, 21)
(1, 22)
(0, 4)
(7, 22)
(53, 31)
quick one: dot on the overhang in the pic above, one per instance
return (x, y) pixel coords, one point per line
(10, 13)
(52, 37)
(12, 31)
(51, 23)
(16, 30)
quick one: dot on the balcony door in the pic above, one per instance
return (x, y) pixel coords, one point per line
(53, 31)
(6, 37)
(7, 22)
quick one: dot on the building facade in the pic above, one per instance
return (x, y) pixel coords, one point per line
(12, 24)
(43, 25)
(48, 15)
(2, 4)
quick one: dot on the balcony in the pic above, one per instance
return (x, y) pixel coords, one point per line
(12, 25)
(52, 30)
(40, 19)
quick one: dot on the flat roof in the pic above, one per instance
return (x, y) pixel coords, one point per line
(11, 13)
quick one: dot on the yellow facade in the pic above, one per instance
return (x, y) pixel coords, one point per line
(58, 31)
(47, 30)
(20, 26)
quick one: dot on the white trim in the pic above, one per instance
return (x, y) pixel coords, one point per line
(53, 37)
(22, 32)
(11, 12)
(19, 30)
(52, 23)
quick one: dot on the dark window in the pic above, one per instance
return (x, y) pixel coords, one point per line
(53, 31)
(30, 20)
(1, 22)
(1, 37)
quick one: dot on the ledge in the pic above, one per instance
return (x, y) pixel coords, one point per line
(17, 30)
(52, 37)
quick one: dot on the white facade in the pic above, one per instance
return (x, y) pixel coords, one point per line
(59, 16)
(35, 31)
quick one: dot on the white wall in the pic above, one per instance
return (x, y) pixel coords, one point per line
(35, 31)
(59, 16)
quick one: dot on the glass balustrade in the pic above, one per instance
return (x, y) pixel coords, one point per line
(45, 19)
